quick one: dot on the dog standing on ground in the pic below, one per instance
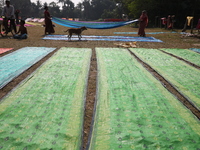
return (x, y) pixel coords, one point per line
(77, 31)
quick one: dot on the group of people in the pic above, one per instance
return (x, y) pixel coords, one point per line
(8, 14)
(169, 21)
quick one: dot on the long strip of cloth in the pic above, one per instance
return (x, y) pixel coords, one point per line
(186, 54)
(103, 38)
(145, 32)
(92, 25)
(46, 110)
(15, 63)
(184, 77)
(134, 111)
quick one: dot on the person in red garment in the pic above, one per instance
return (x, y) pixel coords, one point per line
(143, 22)
(48, 23)
(198, 25)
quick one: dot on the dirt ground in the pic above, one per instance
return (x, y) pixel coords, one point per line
(36, 33)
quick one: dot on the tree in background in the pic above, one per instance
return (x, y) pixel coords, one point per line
(68, 9)
(54, 9)
(101, 8)
(62, 2)
(162, 8)
(87, 13)
(23, 6)
(78, 11)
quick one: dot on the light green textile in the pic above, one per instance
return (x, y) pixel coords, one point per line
(184, 77)
(15, 63)
(134, 111)
(46, 111)
(186, 54)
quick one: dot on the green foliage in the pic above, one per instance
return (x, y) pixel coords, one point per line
(102, 8)
(163, 8)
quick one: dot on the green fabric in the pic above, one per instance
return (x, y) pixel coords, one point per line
(46, 111)
(184, 77)
(134, 111)
(186, 54)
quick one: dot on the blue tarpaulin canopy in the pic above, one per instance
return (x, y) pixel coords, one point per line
(92, 25)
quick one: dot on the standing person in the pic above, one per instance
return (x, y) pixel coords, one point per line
(198, 24)
(48, 23)
(143, 22)
(22, 32)
(173, 21)
(17, 16)
(169, 22)
(9, 14)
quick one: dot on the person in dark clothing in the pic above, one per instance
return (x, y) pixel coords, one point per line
(22, 32)
(49, 29)
(9, 14)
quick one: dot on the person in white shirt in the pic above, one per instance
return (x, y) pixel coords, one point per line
(8, 13)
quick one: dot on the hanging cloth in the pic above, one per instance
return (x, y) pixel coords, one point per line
(92, 25)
